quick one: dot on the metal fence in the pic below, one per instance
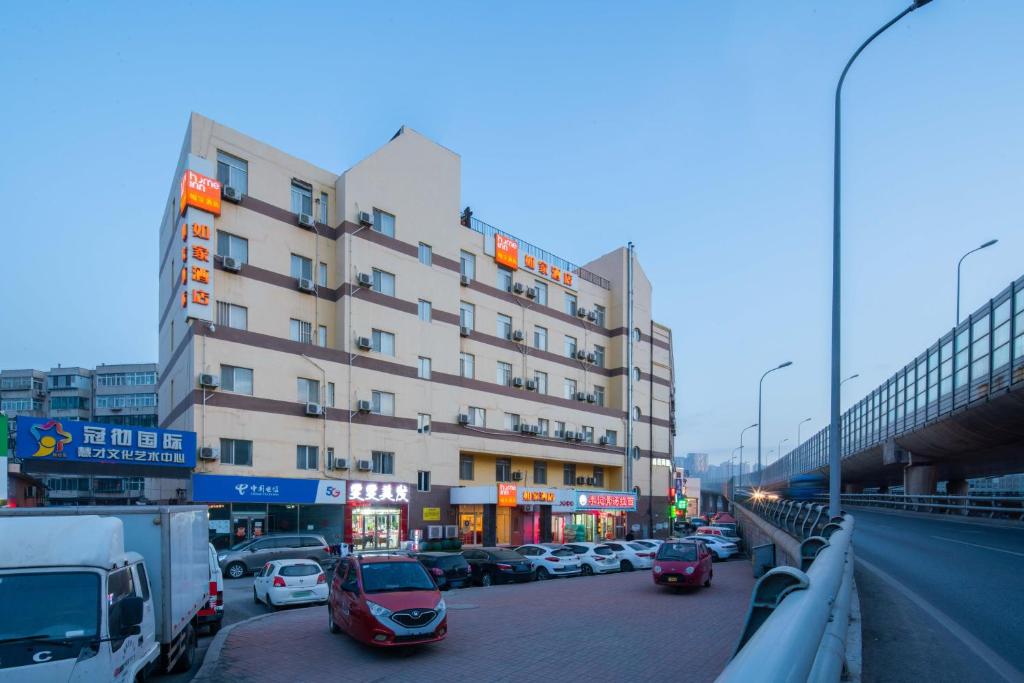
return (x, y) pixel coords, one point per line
(996, 507)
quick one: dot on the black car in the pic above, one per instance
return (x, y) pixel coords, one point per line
(456, 569)
(498, 565)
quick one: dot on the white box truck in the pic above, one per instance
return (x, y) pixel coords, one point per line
(100, 593)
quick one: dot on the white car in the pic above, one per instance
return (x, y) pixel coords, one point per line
(632, 555)
(290, 582)
(652, 543)
(551, 559)
(212, 614)
(595, 558)
(722, 548)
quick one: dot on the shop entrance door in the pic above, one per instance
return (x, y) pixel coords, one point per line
(376, 529)
(471, 527)
(245, 527)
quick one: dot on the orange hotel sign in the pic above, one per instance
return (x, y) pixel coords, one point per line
(200, 192)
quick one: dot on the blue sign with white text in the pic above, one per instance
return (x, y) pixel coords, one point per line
(46, 439)
(220, 488)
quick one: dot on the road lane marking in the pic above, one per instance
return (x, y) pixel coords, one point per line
(981, 650)
(978, 545)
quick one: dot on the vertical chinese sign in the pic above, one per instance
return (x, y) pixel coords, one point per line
(200, 203)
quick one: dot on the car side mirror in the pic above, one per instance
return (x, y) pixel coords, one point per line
(129, 615)
(438, 574)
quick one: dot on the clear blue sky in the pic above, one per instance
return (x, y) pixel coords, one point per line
(700, 130)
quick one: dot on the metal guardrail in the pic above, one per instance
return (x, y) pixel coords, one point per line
(995, 507)
(798, 619)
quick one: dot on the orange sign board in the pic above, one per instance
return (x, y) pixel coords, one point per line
(506, 251)
(538, 496)
(200, 192)
(506, 495)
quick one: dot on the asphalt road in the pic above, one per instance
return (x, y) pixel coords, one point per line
(941, 600)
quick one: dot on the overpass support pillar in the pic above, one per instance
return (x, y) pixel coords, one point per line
(919, 480)
(956, 487)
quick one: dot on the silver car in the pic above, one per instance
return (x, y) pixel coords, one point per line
(250, 556)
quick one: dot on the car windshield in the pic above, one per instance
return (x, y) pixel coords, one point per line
(562, 552)
(299, 570)
(603, 550)
(52, 605)
(384, 577)
(506, 555)
(678, 552)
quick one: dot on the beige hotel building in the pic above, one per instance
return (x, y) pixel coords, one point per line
(362, 357)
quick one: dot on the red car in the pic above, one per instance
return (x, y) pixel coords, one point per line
(386, 600)
(682, 563)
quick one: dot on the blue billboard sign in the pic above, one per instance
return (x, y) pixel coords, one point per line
(47, 439)
(220, 488)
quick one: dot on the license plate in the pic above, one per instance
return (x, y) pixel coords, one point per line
(673, 579)
(301, 594)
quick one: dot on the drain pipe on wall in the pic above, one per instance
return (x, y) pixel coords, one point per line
(629, 363)
(323, 394)
(348, 323)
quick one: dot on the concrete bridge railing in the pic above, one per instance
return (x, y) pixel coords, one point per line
(992, 506)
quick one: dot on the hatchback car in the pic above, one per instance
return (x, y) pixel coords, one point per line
(632, 555)
(721, 547)
(551, 559)
(251, 556)
(595, 558)
(290, 582)
(682, 563)
(450, 569)
(498, 565)
(386, 601)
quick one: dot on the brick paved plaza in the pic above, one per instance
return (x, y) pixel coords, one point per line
(615, 628)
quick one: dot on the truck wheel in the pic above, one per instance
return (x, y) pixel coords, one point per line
(236, 570)
(188, 656)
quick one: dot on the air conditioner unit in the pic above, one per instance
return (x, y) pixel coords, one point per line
(581, 480)
(518, 336)
(451, 530)
(558, 434)
(365, 343)
(581, 396)
(464, 331)
(581, 312)
(363, 406)
(230, 263)
(364, 280)
(463, 419)
(306, 285)
(230, 193)
(464, 280)
(435, 531)
(591, 358)
(364, 465)
(535, 429)
(314, 409)
(603, 441)
(207, 453)
(581, 355)
(591, 398)
(590, 481)
(531, 385)
(569, 436)
(517, 382)
(365, 218)
(531, 293)
(209, 381)
(341, 463)
(517, 476)
(519, 288)
(306, 220)
(524, 428)
(579, 436)
(591, 316)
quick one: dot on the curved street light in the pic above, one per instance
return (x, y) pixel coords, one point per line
(958, 264)
(760, 384)
(741, 450)
(798, 425)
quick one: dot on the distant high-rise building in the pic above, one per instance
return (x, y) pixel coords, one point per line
(696, 463)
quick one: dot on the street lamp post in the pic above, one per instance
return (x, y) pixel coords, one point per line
(958, 264)
(848, 379)
(778, 452)
(741, 450)
(798, 425)
(834, 451)
(760, 474)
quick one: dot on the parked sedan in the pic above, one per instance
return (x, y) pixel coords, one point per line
(632, 555)
(721, 547)
(250, 556)
(452, 570)
(651, 543)
(290, 582)
(683, 563)
(551, 559)
(497, 565)
(595, 558)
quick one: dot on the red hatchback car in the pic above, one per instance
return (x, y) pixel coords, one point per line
(386, 600)
(682, 563)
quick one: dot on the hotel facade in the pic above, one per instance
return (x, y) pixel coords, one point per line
(362, 357)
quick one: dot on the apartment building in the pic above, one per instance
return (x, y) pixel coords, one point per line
(360, 356)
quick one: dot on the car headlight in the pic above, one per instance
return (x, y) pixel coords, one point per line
(377, 610)
(657, 569)
(689, 570)
(221, 556)
(440, 606)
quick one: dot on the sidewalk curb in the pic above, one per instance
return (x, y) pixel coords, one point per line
(854, 640)
(212, 657)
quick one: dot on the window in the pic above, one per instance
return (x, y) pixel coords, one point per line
(423, 480)
(321, 335)
(330, 394)
(426, 254)
(542, 381)
(511, 422)
(238, 380)
(599, 315)
(425, 310)
(423, 369)
(300, 331)
(599, 395)
(232, 245)
(569, 388)
(143, 580)
(232, 315)
(383, 342)
(467, 315)
(504, 279)
(119, 586)
(110, 379)
(236, 452)
(543, 426)
(308, 390)
(559, 429)
(423, 423)
(321, 274)
(599, 356)
(467, 363)
(383, 462)
(542, 292)
(302, 197)
(302, 267)
(570, 346)
(569, 474)
(384, 222)
(570, 303)
(540, 472)
(612, 436)
(233, 171)
(324, 209)
(477, 417)
(504, 374)
(503, 469)
(117, 401)
(598, 476)
(540, 337)
(382, 403)
(69, 403)
(383, 282)
(504, 327)
(467, 264)
(588, 434)
(306, 457)
(466, 467)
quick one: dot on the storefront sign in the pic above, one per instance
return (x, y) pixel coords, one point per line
(559, 499)
(229, 489)
(605, 500)
(44, 439)
(538, 496)
(431, 514)
(200, 191)
(200, 203)
(372, 492)
(507, 495)
(506, 251)
(3, 438)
